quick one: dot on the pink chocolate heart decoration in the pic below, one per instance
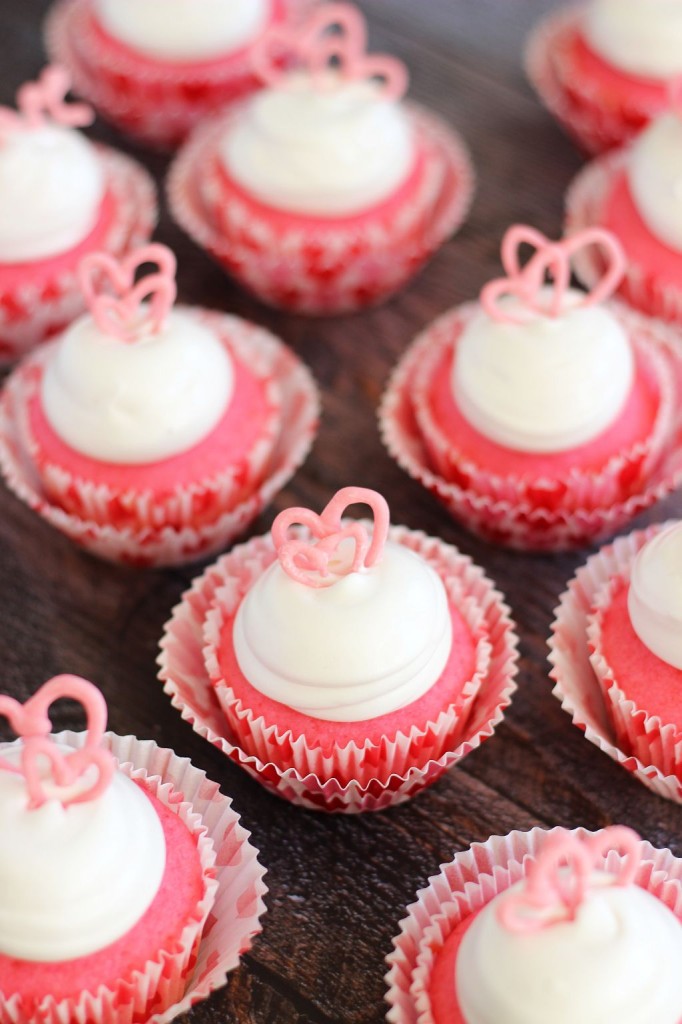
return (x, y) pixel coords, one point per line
(42, 102)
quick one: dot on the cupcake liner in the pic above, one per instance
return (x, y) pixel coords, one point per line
(34, 309)
(576, 489)
(577, 102)
(520, 524)
(471, 881)
(323, 270)
(186, 681)
(165, 545)
(579, 689)
(227, 917)
(154, 101)
(585, 203)
(205, 499)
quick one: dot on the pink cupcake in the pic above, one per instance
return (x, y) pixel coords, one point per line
(157, 426)
(156, 70)
(323, 192)
(61, 198)
(349, 663)
(111, 880)
(603, 68)
(541, 416)
(544, 926)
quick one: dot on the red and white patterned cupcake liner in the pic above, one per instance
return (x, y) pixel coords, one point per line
(31, 312)
(572, 98)
(226, 919)
(185, 674)
(585, 204)
(155, 102)
(323, 270)
(650, 756)
(470, 882)
(152, 545)
(517, 522)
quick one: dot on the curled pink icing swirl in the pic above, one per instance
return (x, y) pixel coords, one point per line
(42, 102)
(553, 258)
(313, 562)
(31, 722)
(121, 314)
(559, 879)
(315, 49)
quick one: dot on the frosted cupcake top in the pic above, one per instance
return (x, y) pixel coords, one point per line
(643, 37)
(82, 851)
(51, 179)
(184, 30)
(135, 380)
(654, 171)
(322, 138)
(574, 942)
(344, 626)
(655, 595)
(544, 368)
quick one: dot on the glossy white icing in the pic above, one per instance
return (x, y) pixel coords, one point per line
(655, 595)
(51, 190)
(643, 37)
(141, 401)
(373, 642)
(76, 878)
(655, 178)
(336, 151)
(617, 961)
(545, 385)
(182, 30)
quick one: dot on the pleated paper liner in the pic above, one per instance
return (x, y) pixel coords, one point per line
(522, 525)
(227, 917)
(165, 545)
(576, 683)
(471, 881)
(156, 101)
(326, 269)
(186, 680)
(39, 299)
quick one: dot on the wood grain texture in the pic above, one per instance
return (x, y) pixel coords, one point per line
(338, 886)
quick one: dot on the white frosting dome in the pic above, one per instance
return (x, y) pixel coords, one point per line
(335, 151)
(618, 961)
(655, 178)
(655, 595)
(545, 385)
(184, 29)
(373, 642)
(51, 189)
(141, 401)
(643, 37)
(76, 878)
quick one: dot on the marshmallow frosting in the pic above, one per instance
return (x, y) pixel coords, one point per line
(655, 595)
(178, 30)
(335, 150)
(655, 178)
(643, 37)
(140, 401)
(370, 644)
(75, 878)
(547, 384)
(617, 961)
(51, 189)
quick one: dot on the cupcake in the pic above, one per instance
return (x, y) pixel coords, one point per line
(604, 68)
(323, 192)
(616, 658)
(633, 192)
(61, 198)
(153, 432)
(544, 926)
(109, 870)
(156, 70)
(345, 664)
(541, 415)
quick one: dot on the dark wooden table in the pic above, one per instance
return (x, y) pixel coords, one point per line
(338, 885)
